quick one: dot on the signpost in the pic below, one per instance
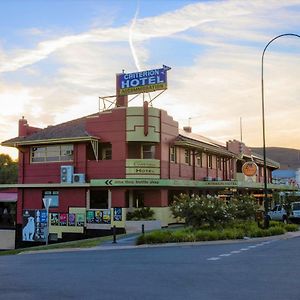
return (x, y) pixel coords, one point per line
(47, 203)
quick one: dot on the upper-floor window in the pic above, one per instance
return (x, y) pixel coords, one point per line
(148, 151)
(173, 156)
(210, 164)
(187, 156)
(199, 159)
(55, 153)
(106, 153)
(219, 163)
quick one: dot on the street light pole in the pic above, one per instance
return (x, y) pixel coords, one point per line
(266, 200)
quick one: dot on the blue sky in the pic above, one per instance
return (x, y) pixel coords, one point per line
(58, 57)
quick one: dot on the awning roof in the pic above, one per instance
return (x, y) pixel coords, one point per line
(8, 197)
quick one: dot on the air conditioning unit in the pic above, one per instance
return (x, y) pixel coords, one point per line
(66, 174)
(79, 178)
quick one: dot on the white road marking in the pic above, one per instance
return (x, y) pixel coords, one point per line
(213, 258)
(239, 251)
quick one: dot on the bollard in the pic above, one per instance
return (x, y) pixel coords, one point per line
(114, 235)
(143, 228)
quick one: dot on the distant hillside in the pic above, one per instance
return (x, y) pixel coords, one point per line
(288, 158)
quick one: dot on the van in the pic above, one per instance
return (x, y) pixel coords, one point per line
(295, 212)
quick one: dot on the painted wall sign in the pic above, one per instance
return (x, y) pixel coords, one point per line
(249, 168)
(142, 168)
(142, 82)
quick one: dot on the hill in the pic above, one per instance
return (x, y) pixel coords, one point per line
(287, 157)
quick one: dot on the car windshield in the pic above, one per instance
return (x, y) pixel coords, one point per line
(296, 206)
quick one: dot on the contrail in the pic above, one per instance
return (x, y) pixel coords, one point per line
(136, 61)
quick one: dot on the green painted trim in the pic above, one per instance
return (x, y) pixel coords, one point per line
(126, 182)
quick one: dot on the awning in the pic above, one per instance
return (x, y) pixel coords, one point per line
(8, 197)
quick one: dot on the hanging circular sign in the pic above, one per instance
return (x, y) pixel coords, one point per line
(249, 168)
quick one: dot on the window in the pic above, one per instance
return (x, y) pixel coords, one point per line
(219, 163)
(106, 153)
(53, 153)
(187, 156)
(99, 199)
(199, 159)
(148, 151)
(210, 161)
(138, 199)
(54, 196)
(173, 156)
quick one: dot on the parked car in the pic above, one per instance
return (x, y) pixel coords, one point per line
(278, 213)
(295, 212)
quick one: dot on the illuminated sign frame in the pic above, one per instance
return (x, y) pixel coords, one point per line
(249, 168)
(142, 82)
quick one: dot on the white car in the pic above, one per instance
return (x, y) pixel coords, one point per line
(278, 213)
(295, 212)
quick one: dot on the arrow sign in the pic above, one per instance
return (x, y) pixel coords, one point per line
(47, 202)
(108, 182)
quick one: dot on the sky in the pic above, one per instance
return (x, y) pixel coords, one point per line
(57, 57)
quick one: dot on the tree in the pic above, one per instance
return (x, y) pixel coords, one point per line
(8, 170)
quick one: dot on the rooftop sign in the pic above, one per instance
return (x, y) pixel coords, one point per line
(142, 82)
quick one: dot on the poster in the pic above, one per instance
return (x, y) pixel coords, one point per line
(80, 219)
(90, 216)
(63, 219)
(72, 220)
(54, 219)
(34, 225)
(98, 216)
(41, 225)
(117, 214)
(106, 216)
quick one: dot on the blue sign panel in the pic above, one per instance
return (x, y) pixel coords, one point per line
(143, 82)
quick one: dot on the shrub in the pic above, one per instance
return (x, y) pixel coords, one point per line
(144, 213)
(245, 207)
(199, 211)
(291, 227)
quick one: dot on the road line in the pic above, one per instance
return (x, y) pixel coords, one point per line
(213, 258)
(235, 252)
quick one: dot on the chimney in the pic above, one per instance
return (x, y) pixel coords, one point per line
(187, 129)
(23, 125)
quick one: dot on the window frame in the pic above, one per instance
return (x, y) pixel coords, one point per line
(51, 194)
(46, 154)
(152, 151)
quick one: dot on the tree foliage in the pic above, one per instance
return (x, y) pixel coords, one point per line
(198, 211)
(8, 170)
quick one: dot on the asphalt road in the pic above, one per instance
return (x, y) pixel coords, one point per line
(254, 270)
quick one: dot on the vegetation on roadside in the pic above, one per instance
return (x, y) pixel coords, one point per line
(235, 230)
(198, 211)
(211, 219)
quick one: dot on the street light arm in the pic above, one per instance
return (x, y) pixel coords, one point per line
(266, 204)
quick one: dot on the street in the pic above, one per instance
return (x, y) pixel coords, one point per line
(265, 269)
